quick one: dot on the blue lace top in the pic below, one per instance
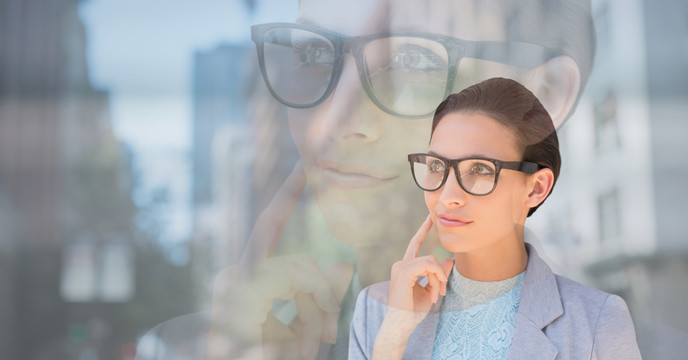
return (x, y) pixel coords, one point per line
(477, 319)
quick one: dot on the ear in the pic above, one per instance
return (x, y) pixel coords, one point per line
(539, 184)
(559, 82)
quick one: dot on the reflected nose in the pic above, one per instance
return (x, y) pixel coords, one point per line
(451, 192)
(350, 114)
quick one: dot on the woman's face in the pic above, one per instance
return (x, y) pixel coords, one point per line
(483, 220)
(353, 153)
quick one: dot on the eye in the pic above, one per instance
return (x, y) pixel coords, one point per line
(314, 53)
(414, 58)
(481, 169)
(436, 166)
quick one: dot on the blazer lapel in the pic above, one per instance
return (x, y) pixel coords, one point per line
(540, 305)
(530, 342)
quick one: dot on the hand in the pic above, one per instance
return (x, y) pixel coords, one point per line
(244, 294)
(405, 293)
(409, 302)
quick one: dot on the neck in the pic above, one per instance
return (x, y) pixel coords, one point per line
(502, 260)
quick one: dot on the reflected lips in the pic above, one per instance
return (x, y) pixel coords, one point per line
(351, 176)
(452, 221)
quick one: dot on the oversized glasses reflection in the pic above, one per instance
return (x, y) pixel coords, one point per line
(405, 74)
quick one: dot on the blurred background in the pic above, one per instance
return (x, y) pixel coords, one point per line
(138, 144)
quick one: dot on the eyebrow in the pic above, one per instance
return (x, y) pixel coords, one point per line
(464, 157)
(384, 26)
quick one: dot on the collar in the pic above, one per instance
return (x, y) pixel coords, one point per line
(540, 305)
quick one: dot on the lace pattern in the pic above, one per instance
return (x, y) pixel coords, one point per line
(477, 319)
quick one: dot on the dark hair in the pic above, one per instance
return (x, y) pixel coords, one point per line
(514, 106)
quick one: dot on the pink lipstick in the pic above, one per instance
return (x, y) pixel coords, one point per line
(447, 220)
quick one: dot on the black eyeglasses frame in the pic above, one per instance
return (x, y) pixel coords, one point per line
(519, 54)
(522, 166)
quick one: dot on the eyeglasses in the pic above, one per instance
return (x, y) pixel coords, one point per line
(476, 176)
(405, 74)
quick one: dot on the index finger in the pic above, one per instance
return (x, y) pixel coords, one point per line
(418, 239)
(268, 227)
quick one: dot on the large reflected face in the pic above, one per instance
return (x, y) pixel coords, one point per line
(353, 152)
(467, 222)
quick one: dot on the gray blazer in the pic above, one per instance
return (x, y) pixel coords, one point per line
(557, 319)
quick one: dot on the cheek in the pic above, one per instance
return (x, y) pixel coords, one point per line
(513, 200)
(431, 198)
(410, 135)
(298, 124)
(518, 206)
(303, 126)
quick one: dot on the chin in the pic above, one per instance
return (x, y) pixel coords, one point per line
(370, 219)
(363, 224)
(457, 243)
(345, 222)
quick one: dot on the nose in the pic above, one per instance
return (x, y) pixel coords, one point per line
(350, 114)
(452, 195)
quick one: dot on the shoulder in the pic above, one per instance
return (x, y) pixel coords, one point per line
(371, 303)
(601, 318)
(576, 296)
(584, 301)
(367, 319)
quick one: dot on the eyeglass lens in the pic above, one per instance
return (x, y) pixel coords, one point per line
(476, 176)
(298, 64)
(407, 75)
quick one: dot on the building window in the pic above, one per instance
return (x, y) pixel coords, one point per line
(608, 215)
(606, 124)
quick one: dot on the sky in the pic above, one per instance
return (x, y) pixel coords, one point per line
(142, 53)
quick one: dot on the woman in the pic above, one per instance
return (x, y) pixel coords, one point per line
(493, 159)
(348, 134)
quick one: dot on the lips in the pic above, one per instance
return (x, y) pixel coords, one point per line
(449, 220)
(352, 175)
